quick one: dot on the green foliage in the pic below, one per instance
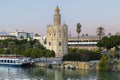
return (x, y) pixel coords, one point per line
(105, 63)
(33, 52)
(81, 55)
(1, 50)
(78, 28)
(49, 53)
(31, 48)
(109, 42)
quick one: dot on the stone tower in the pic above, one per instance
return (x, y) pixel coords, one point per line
(57, 35)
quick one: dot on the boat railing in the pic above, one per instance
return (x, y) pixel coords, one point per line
(12, 56)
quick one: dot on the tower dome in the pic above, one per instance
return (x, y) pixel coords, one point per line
(57, 9)
(57, 17)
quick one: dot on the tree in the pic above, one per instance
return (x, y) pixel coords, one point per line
(31, 48)
(27, 45)
(109, 42)
(78, 30)
(36, 44)
(11, 46)
(76, 54)
(107, 60)
(105, 63)
(100, 32)
(2, 45)
(52, 54)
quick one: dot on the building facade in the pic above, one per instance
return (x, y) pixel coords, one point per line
(5, 35)
(84, 42)
(57, 35)
(20, 35)
(41, 39)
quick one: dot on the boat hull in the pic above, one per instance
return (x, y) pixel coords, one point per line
(11, 65)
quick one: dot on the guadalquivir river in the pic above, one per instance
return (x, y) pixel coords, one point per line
(40, 73)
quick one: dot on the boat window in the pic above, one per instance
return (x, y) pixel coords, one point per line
(5, 61)
(10, 61)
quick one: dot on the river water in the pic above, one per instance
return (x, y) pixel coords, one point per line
(40, 73)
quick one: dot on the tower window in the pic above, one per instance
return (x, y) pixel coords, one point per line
(49, 43)
(59, 43)
(59, 50)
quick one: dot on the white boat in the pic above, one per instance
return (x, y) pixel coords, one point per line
(15, 60)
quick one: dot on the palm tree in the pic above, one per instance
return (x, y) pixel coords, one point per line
(100, 32)
(78, 30)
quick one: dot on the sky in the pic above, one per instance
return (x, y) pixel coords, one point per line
(34, 15)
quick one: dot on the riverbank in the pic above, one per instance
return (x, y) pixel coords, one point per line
(90, 65)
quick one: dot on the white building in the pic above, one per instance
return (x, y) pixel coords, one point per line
(41, 39)
(5, 35)
(84, 42)
(22, 35)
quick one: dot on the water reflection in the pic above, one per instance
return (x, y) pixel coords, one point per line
(55, 74)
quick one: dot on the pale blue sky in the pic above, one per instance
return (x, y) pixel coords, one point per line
(34, 15)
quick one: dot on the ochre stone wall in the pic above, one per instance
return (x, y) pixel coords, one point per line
(77, 64)
(92, 65)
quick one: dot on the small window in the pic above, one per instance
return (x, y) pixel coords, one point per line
(59, 50)
(49, 43)
(59, 43)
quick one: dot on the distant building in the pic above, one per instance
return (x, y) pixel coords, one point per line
(4, 35)
(40, 38)
(22, 35)
(57, 36)
(84, 42)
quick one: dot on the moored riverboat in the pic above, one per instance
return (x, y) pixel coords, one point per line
(15, 60)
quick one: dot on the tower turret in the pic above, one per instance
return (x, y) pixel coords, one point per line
(57, 16)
